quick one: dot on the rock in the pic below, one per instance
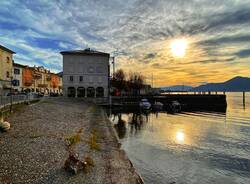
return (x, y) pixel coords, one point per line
(5, 126)
(73, 164)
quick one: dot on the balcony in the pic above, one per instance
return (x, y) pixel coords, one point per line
(37, 75)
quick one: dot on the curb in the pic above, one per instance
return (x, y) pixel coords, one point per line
(113, 131)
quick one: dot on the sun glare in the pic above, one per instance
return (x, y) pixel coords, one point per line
(178, 47)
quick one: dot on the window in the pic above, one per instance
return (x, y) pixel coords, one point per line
(16, 71)
(80, 78)
(7, 74)
(16, 83)
(71, 78)
(8, 59)
(91, 69)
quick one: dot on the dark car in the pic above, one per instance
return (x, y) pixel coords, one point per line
(54, 94)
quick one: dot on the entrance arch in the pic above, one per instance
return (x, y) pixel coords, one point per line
(71, 92)
(80, 92)
(99, 92)
(91, 92)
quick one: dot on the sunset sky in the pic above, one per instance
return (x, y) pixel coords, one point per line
(142, 32)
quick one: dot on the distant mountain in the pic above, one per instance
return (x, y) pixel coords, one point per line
(236, 84)
(177, 88)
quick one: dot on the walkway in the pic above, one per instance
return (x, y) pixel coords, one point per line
(33, 151)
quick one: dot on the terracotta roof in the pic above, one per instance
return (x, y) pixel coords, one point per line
(84, 52)
(6, 49)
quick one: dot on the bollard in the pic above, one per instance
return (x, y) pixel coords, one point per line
(244, 96)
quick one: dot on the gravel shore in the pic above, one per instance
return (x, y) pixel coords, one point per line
(34, 150)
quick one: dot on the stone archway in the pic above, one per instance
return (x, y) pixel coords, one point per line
(80, 92)
(71, 92)
(91, 92)
(99, 92)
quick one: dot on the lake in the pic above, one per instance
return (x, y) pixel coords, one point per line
(189, 147)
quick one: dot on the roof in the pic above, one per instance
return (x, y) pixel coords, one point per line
(86, 52)
(6, 49)
(19, 65)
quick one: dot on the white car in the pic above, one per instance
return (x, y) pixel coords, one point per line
(144, 104)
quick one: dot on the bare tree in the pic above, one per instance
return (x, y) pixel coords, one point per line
(136, 82)
(119, 81)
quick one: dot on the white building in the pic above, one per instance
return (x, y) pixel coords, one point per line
(17, 74)
(85, 73)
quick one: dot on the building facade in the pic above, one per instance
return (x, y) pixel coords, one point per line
(39, 79)
(85, 73)
(6, 65)
(17, 77)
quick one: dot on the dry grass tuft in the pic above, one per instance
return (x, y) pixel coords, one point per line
(74, 139)
(92, 141)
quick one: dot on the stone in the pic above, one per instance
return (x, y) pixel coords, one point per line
(5, 126)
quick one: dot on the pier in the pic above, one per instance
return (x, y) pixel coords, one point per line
(190, 102)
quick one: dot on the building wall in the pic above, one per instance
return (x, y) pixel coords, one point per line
(39, 79)
(93, 69)
(6, 64)
(55, 83)
(27, 78)
(18, 76)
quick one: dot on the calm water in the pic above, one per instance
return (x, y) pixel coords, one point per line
(190, 147)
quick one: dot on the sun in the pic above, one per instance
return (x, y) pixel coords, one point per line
(178, 47)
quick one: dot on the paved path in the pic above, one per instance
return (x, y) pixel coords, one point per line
(33, 151)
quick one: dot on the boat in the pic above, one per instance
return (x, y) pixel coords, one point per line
(158, 106)
(175, 106)
(144, 104)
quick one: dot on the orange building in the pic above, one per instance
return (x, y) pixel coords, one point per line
(28, 78)
(39, 79)
(54, 82)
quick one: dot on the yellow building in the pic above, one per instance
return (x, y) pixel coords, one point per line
(6, 65)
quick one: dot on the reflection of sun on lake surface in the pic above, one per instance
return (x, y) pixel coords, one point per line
(180, 136)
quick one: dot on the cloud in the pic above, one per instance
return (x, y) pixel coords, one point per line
(140, 30)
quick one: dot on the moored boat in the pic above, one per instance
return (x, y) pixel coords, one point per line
(144, 104)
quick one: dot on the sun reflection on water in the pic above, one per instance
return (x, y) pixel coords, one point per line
(180, 136)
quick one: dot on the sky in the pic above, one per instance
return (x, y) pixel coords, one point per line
(138, 32)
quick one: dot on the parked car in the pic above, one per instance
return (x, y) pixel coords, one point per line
(41, 94)
(11, 94)
(54, 94)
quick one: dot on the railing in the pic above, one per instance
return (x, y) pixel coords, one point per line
(15, 99)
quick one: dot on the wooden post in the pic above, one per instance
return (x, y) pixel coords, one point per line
(244, 102)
